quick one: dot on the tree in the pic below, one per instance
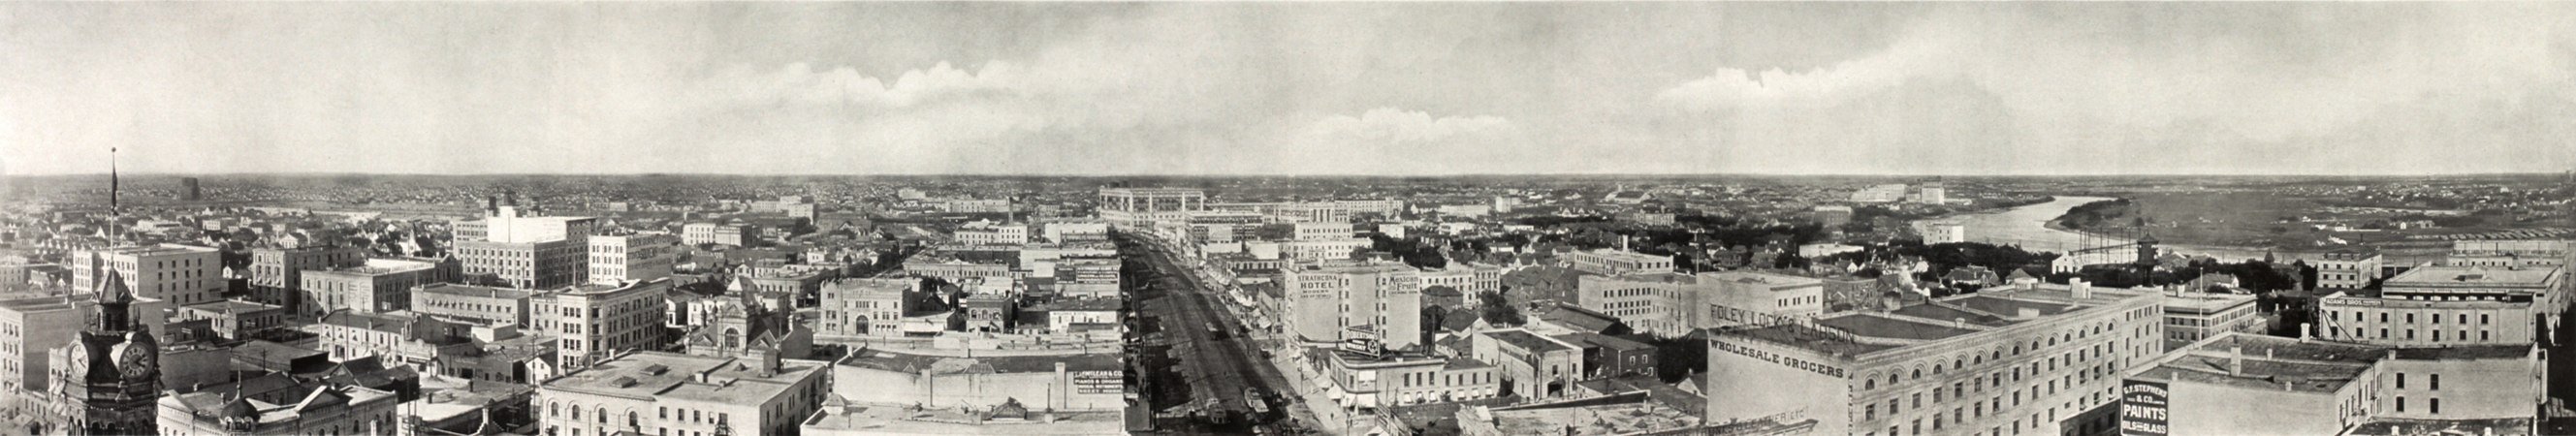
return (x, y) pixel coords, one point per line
(1432, 318)
(1500, 311)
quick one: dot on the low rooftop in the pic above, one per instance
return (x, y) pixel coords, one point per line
(473, 291)
(379, 266)
(652, 374)
(2477, 276)
(2302, 366)
(1527, 341)
(915, 363)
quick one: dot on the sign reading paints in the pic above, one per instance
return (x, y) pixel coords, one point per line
(2142, 408)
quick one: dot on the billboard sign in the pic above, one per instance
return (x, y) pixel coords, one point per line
(1097, 382)
(2142, 408)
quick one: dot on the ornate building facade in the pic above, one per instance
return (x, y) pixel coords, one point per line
(107, 380)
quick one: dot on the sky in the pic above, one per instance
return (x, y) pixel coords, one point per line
(1289, 88)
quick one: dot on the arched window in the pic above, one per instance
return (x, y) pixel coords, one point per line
(554, 409)
(732, 338)
(576, 412)
(631, 421)
(1871, 383)
(1918, 374)
(603, 414)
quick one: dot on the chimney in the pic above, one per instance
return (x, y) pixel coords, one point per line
(2307, 332)
(1961, 323)
(2083, 290)
(2236, 360)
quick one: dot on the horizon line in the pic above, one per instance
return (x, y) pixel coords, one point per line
(1317, 175)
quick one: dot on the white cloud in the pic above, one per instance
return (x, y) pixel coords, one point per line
(1392, 127)
(2087, 89)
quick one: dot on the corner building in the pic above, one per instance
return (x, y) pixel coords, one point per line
(2011, 360)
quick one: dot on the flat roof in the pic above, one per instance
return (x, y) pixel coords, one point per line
(2517, 426)
(157, 250)
(1083, 305)
(235, 306)
(379, 266)
(1875, 326)
(1605, 341)
(2205, 302)
(1936, 312)
(1776, 281)
(652, 374)
(893, 419)
(2447, 276)
(1626, 255)
(2305, 366)
(39, 303)
(2009, 306)
(474, 291)
(1527, 341)
(914, 363)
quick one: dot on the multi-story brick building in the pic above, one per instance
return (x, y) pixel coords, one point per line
(597, 321)
(1669, 303)
(2348, 269)
(1614, 262)
(179, 274)
(2240, 383)
(480, 303)
(865, 307)
(2031, 359)
(277, 274)
(2438, 305)
(377, 286)
(1329, 301)
(1128, 208)
(662, 393)
(633, 257)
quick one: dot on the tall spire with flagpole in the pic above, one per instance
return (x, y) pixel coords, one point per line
(111, 180)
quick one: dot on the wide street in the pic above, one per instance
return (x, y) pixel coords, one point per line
(1196, 355)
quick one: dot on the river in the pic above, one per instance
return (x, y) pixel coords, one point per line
(2027, 226)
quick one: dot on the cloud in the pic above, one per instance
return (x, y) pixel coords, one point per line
(1394, 127)
(799, 83)
(874, 88)
(2089, 88)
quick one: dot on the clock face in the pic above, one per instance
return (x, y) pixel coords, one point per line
(138, 360)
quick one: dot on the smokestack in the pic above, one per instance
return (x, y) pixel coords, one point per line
(2235, 360)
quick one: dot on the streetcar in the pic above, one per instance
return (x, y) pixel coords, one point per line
(1253, 399)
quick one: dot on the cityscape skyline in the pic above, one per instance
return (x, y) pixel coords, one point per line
(1292, 89)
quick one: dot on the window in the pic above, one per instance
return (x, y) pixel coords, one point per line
(2401, 404)
(2433, 406)
(2401, 380)
(2434, 384)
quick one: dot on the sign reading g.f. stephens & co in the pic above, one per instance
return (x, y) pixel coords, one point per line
(2142, 408)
